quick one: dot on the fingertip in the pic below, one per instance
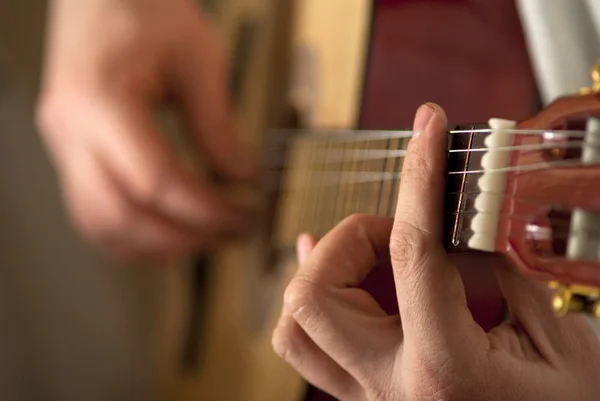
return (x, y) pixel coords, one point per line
(439, 120)
(427, 115)
(304, 246)
(423, 115)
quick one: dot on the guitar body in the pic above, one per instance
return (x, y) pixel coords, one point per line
(344, 64)
(218, 348)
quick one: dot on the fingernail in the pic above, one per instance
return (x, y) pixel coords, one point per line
(422, 118)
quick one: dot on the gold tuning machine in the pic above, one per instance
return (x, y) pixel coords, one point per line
(595, 88)
(575, 299)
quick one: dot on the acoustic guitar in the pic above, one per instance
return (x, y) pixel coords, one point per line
(331, 82)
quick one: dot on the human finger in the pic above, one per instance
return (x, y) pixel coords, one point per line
(109, 218)
(304, 246)
(297, 349)
(345, 255)
(140, 161)
(201, 81)
(341, 319)
(431, 297)
(529, 304)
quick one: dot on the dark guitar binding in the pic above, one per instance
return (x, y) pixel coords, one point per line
(459, 203)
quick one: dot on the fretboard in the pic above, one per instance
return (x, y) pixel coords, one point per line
(326, 178)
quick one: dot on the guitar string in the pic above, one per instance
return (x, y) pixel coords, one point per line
(278, 136)
(501, 196)
(380, 178)
(559, 228)
(379, 154)
(396, 155)
(562, 220)
(364, 177)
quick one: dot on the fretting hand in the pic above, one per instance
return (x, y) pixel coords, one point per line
(336, 336)
(109, 63)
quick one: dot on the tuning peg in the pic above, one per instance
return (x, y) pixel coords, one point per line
(575, 299)
(564, 301)
(595, 74)
(596, 309)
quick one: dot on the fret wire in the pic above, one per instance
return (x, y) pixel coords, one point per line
(347, 166)
(377, 186)
(327, 201)
(397, 165)
(398, 178)
(383, 169)
(295, 207)
(321, 198)
(360, 186)
(373, 187)
(334, 216)
(312, 221)
(388, 184)
(351, 184)
(365, 204)
(304, 212)
(288, 208)
(371, 190)
(356, 185)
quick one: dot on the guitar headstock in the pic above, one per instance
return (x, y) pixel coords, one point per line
(569, 111)
(539, 200)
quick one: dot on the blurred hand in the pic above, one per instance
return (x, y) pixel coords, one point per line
(109, 63)
(336, 335)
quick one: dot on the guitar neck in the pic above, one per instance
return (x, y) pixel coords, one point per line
(326, 177)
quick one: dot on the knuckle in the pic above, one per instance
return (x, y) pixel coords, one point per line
(305, 300)
(286, 341)
(302, 294)
(417, 167)
(407, 243)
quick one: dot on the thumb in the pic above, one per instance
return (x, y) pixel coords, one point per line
(431, 296)
(201, 77)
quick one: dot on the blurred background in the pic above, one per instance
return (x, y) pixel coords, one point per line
(75, 325)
